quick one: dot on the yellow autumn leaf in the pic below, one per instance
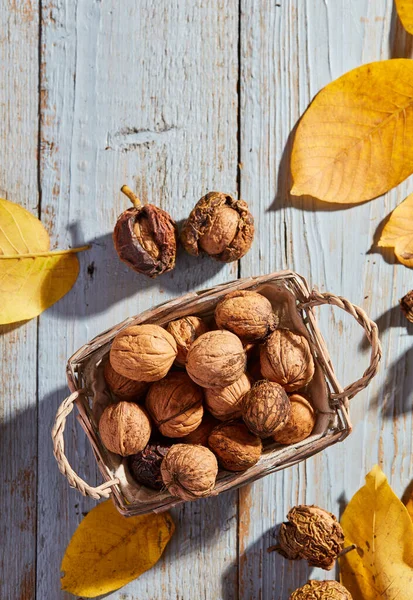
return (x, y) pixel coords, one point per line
(32, 277)
(398, 232)
(354, 141)
(409, 506)
(107, 550)
(405, 12)
(379, 524)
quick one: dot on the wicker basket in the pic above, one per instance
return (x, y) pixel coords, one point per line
(291, 295)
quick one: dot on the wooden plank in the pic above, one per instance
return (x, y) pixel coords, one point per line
(286, 58)
(145, 94)
(18, 401)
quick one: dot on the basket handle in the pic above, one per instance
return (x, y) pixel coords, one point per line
(64, 410)
(371, 330)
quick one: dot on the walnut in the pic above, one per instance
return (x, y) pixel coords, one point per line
(247, 314)
(237, 448)
(220, 226)
(321, 590)
(189, 471)
(226, 403)
(300, 424)
(286, 359)
(185, 331)
(216, 359)
(122, 387)
(312, 534)
(124, 428)
(265, 408)
(175, 404)
(201, 433)
(143, 352)
(406, 305)
(145, 466)
(145, 238)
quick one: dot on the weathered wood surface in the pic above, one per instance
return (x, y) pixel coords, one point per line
(169, 97)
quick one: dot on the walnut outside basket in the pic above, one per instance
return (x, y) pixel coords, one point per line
(295, 301)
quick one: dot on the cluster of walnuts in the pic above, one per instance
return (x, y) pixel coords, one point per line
(195, 395)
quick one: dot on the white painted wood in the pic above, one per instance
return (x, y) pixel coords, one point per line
(286, 58)
(18, 395)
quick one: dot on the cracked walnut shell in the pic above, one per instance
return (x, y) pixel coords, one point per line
(185, 331)
(312, 534)
(286, 359)
(122, 387)
(247, 314)
(189, 471)
(225, 403)
(216, 359)
(265, 408)
(175, 405)
(300, 423)
(145, 466)
(321, 590)
(220, 226)
(124, 428)
(237, 448)
(143, 352)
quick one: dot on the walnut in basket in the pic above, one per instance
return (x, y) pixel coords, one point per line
(286, 359)
(226, 403)
(247, 314)
(189, 471)
(143, 352)
(300, 423)
(185, 331)
(122, 387)
(201, 433)
(145, 466)
(175, 404)
(265, 408)
(216, 359)
(237, 448)
(124, 428)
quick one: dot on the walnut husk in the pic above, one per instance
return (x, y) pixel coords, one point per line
(122, 387)
(143, 352)
(189, 471)
(247, 314)
(219, 225)
(175, 405)
(237, 448)
(321, 590)
(201, 433)
(226, 403)
(185, 331)
(313, 534)
(124, 428)
(216, 359)
(145, 466)
(265, 408)
(300, 423)
(286, 359)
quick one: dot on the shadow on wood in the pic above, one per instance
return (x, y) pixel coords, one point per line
(400, 41)
(394, 397)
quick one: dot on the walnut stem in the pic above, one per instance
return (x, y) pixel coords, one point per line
(131, 195)
(348, 549)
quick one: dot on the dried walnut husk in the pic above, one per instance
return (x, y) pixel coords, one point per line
(216, 359)
(185, 331)
(226, 403)
(300, 423)
(247, 314)
(312, 534)
(145, 238)
(189, 471)
(321, 590)
(220, 226)
(145, 466)
(122, 387)
(406, 304)
(286, 359)
(175, 404)
(237, 448)
(143, 352)
(124, 428)
(265, 408)
(201, 433)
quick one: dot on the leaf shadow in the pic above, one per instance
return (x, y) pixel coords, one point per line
(387, 253)
(400, 40)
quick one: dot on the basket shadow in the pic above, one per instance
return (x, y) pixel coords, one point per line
(394, 396)
(391, 318)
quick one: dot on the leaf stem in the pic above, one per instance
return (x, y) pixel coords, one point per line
(348, 549)
(45, 253)
(131, 195)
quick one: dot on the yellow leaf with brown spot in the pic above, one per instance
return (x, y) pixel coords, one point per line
(405, 12)
(32, 277)
(378, 523)
(398, 232)
(355, 140)
(107, 550)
